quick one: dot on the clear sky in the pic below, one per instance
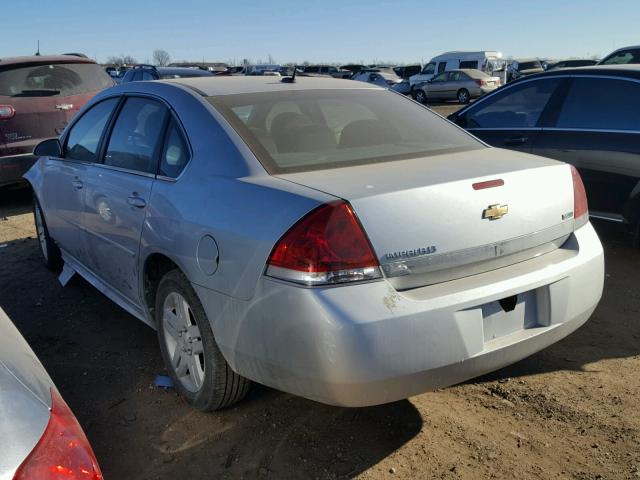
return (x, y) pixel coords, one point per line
(322, 31)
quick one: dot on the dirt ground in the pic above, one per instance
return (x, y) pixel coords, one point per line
(570, 411)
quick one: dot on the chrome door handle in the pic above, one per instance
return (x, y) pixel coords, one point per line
(516, 140)
(136, 201)
(77, 184)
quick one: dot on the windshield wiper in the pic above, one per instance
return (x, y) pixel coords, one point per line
(44, 92)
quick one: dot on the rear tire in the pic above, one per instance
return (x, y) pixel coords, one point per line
(463, 96)
(420, 96)
(48, 249)
(198, 370)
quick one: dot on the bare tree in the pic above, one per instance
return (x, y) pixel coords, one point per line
(161, 57)
(128, 60)
(115, 60)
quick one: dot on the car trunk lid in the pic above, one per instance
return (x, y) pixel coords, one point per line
(433, 219)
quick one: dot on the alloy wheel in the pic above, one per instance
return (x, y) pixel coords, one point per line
(183, 342)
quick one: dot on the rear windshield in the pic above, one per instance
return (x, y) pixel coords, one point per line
(305, 130)
(55, 79)
(529, 65)
(623, 57)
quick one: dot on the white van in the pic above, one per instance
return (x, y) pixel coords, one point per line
(488, 61)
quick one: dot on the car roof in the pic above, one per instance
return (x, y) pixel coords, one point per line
(41, 60)
(628, 70)
(214, 86)
(178, 70)
(472, 72)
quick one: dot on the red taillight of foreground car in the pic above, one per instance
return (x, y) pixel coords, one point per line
(7, 112)
(580, 206)
(480, 83)
(63, 451)
(327, 246)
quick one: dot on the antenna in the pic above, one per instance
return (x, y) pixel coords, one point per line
(38, 52)
(292, 78)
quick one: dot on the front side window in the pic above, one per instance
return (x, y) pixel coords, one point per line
(442, 66)
(84, 136)
(598, 103)
(135, 137)
(517, 107)
(339, 128)
(56, 79)
(441, 78)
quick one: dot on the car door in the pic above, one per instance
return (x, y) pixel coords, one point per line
(597, 129)
(511, 117)
(436, 88)
(453, 84)
(62, 193)
(118, 189)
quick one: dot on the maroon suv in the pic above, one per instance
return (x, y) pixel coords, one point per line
(38, 96)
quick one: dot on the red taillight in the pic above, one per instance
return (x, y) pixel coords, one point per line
(63, 451)
(480, 82)
(580, 206)
(328, 245)
(7, 112)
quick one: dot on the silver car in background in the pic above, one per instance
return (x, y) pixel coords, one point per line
(325, 237)
(462, 85)
(39, 436)
(382, 77)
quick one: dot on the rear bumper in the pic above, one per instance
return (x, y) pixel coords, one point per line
(13, 167)
(369, 344)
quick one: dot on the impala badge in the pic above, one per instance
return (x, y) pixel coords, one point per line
(494, 212)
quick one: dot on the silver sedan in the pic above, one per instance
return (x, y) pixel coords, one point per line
(462, 85)
(39, 436)
(325, 237)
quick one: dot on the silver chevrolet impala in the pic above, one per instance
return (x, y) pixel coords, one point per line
(325, 237)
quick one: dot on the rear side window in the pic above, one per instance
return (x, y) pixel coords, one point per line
(175, 154)
(339, 128)
(598, 103)
(469, 64)
(136, 135)
(84, 136)
(516, 107)
(56, 79)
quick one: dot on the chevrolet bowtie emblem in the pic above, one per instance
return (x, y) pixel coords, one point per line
(494, 212)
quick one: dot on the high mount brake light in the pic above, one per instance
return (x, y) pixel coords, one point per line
(580, 205)
(63, 452)
(327, 246)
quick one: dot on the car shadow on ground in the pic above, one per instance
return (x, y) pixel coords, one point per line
(15, 201)
(104, 363)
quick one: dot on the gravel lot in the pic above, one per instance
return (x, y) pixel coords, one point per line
(571, 411)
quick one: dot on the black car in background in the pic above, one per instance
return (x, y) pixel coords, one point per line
(622, 56)
(572, 63)
(149, 72)
(588, 117)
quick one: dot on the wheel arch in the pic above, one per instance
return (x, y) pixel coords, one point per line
(154, 267)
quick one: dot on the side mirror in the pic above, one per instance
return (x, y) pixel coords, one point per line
(48, 148)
